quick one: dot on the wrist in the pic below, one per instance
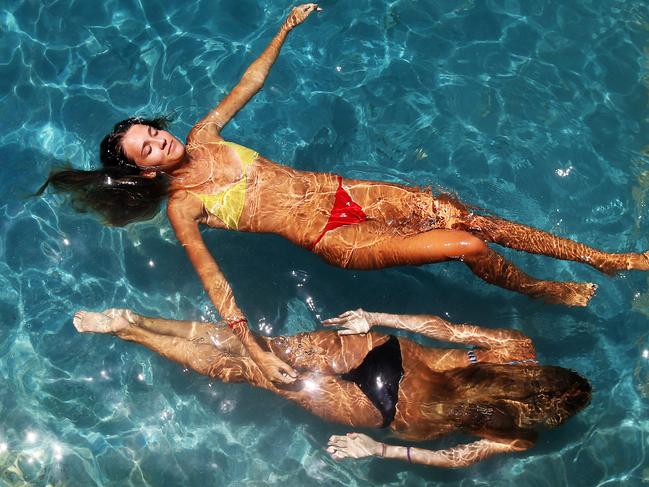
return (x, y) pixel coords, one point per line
(379, 449)
(235, 322)
(373, 319)
(284, 29)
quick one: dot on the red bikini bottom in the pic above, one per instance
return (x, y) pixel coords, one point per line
(344, 212)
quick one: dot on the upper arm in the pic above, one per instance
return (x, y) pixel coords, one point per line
(210, 126)
(183, 215)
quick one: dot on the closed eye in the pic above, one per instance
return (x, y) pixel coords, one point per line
(146, 147)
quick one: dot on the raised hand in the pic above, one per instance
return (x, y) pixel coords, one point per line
(353, 445)
(300, 13)
(275, 369)
(353, 322)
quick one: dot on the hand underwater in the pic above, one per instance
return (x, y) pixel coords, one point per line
(354, 322)
(353, 445)
(300, 13)
(275, 369)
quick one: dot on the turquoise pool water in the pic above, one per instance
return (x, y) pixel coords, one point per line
(536, 110)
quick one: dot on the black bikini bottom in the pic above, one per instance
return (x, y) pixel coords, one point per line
(378, 376)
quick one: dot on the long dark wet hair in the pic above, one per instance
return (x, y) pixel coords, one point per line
(117, 192)
(506, 401)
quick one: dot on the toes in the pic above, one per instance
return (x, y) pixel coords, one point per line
(77, 321)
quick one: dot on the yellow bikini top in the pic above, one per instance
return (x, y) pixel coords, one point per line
(227, 205)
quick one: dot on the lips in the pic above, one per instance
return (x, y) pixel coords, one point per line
(171, 144)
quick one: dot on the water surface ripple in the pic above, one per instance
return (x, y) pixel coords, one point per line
(536, 110)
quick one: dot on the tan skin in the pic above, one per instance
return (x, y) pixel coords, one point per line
(405, 225)
(321, 357)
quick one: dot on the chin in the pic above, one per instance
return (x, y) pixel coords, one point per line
(180, 155)
(178, 159)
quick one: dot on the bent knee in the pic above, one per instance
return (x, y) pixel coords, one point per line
(468, 244)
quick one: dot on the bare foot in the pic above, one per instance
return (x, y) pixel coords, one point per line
(566, 293)
(108, 321)
(637, 262)
(573, 293)
(641, 262)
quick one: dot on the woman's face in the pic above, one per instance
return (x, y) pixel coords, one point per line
(151, 148)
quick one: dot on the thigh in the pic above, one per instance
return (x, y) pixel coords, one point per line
(371, 245)
(325, 351)
(333, 399)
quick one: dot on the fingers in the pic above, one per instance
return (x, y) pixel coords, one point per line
(341, 318)
(333, 321)
(310, 7)
(290, 372)
(340, 447)
(301, 12)
(277, 370)
(338, 441)
(348, 332)
(282, 378)
(336, 454)
(285, 375)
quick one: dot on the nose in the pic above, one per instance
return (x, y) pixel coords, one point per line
(162, 142)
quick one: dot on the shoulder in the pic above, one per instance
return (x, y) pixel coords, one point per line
(204, 133)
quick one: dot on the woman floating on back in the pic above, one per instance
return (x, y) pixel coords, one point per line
(350, 223)
(496, 391)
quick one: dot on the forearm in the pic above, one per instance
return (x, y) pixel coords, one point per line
(428, 325)
(456, 457)
(252, 80)
(439, 329)
(257, 72)
(222, 297)
(250, 83)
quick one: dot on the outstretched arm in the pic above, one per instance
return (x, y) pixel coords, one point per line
(510, 343)
(357, 445)
(183, 218)
(252, 80)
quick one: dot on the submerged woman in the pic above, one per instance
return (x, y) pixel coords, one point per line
(496, 391)
(349, 223)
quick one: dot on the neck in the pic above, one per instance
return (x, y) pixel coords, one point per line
(186, 175)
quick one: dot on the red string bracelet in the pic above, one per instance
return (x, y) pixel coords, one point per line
(236, 322)
(408, 453)
(382, 450)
